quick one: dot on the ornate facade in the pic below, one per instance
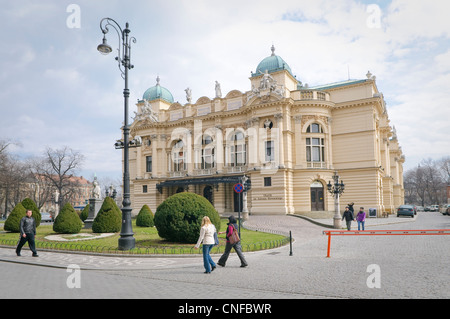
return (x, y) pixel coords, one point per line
(285, 140)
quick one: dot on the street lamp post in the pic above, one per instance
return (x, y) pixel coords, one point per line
(337, 189)
(126, 240)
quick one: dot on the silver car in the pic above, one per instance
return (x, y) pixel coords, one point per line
(46, 218)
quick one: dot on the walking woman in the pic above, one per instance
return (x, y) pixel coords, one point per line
(232, 226)
(207, 238)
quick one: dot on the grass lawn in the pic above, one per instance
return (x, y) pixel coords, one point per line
(147, 241)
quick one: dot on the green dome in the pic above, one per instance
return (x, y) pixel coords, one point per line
(272, 63)
(158, 92)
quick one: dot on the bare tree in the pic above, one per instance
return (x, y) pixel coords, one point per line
(426, 184)
(59, 168)
(13, 174)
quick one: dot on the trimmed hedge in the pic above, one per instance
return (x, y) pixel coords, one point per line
(12, 223)
(179, 217)
(108, 219)
(145, 217)
(67, 221)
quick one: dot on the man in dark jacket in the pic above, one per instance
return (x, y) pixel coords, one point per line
(27, 233)
(349, 217)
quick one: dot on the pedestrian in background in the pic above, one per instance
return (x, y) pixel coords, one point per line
(350, 208)
(27, 233)
(361, 218)
(232, 226)
(349, 217)
(207, 238)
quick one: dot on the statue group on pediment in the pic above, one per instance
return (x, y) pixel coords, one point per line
(146, 113)
(267, 85)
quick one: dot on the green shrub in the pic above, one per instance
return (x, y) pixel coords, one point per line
(179, 217)
(108, 219)
(28, 203)
(12, 223)
(67, 221)
(145, 217)
(85, 213)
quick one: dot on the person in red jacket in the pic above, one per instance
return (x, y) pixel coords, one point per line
(232, 226)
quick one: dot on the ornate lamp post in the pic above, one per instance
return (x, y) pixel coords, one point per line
(126, 240)
(337, 189)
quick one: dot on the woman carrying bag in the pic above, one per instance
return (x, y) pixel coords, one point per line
(233, 241)
(207, 237)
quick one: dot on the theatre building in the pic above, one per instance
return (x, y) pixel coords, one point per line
(281, 139)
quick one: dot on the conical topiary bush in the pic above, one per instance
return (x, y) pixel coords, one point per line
(108, 219)
(85, 213)
(12, 223)
(29, 204)
(145, 217)
(67, 221)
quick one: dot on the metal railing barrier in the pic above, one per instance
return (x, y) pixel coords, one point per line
(411, 232)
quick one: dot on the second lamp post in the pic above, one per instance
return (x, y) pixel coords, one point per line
(337, 189)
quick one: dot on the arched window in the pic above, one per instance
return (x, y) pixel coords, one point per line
(314, 128)
(315, 145)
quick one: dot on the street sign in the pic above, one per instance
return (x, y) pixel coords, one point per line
(238, 188)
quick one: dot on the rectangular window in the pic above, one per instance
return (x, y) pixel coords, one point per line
(238, 155)
(208, 158)
(315, 150)
(267, 181)
(144, 188)
(148, 164)
(270, 151)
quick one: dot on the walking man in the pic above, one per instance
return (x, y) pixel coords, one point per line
(349, 217)
(27, 233)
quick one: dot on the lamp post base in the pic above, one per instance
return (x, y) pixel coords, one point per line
(337, 223)
(127, 243)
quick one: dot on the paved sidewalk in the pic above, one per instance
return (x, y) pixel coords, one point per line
(302, 229)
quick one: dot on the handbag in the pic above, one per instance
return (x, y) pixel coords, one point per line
(216, 239)
(234, 238)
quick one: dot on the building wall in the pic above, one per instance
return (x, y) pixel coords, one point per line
(357, 145)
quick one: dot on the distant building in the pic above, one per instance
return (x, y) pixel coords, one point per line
(80, 189)
(286, 138)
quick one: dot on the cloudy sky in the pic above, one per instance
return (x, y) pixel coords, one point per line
(57, 90)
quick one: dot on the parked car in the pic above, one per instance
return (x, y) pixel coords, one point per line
(446, 210)
(434, 208)
(46, 218)
(420, 209)
(407, 210)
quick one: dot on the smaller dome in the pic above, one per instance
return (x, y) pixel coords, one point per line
(158, 92)
(272, 63)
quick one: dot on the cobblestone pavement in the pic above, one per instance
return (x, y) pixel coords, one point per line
(408, 267)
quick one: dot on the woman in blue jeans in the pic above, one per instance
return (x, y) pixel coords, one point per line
(361, 218)
(207, 238)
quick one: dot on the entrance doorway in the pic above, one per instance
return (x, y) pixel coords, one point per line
(208, 194)
(317, 196)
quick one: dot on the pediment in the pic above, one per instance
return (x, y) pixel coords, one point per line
(203, 100)
(175, 106)
(233, 94)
